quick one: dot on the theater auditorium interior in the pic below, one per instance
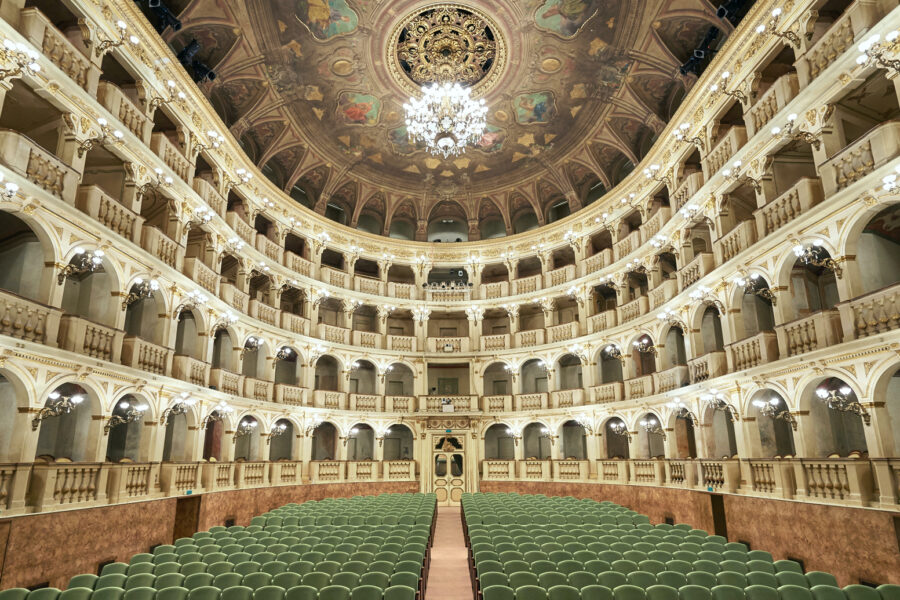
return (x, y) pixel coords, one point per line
(463, 300)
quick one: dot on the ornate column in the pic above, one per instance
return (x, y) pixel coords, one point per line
(547, 306)
(420, 318)
(383, 311)
(475, 316)
(349, 306)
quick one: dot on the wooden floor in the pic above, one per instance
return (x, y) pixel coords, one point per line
(448, 576)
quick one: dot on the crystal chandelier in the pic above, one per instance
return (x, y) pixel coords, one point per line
(446, 119)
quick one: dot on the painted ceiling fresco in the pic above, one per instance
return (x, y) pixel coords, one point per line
(577, 90)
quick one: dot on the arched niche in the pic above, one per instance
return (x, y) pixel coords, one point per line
(888, 392)
(756, 309)
(90, 293)
(399, 443)
(363, 377)
(721, 441)
(22, 258)
(525, 221)
(72, 433)
(281, 440)
(253, 358)
(537, 440)
(187, 335)
(573, 440)
(177, 445)
(246, 439)
(361, 442)
(399, 381)
(682, 426)
(327, 373)
(324, 442)
(878, 251)
(615, 434)
(811, 288)
(402, 230)
(834, 432)
(534, 376)
(651, 441)
(675, 353)
(610, 365)
(145, 315)
(213, 436)
(223, 354)
(776, 436)
(711, 330)
(14, 425)
(499, 443)
(568, 372)
(124, 440)
(292, 302)
(643, 357)
(287, 368)
(497, 380)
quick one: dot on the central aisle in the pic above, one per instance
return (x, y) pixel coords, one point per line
(448, 576)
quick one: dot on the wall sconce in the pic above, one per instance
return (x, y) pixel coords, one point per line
(659, 241)
(815, 255)
(420, 314)
(645, 346)
(513, 371)
(773, 409)
(652, 173)
(278, 429)
(176, 96)
(681, 134)
(284, 353)
(81, 264)
(618, 427)
(890, 181)
(241, 177)
(353, 431)
(576, 240)
(106, 136)
(788, 132)
(840, 400)
(772, 25)
(252, 343)
(318, 296)
(214, 140)
(182, 404)
(580, 352)
(608, 280)
(652, 427)
(755, 285)
(106, 45)
(475, 313)
(244, 428)
(201, 215)
(736, 93)
(381, 434)
(216, 414)
(159, 182)
(384, 311)
(669, 316)
(383, 370)
(195, 299)
(706, 295)
(689, 211)
(545, 434)
(312, 425)
(352, 367)
(681, 409)
(10, 189)
(23, 58)
(734, 174)
(141, 289)
(315, 352)
(59, 405)
(612, 351)
(588, 422)
(132, 413)
(873, 50)
(717, 401)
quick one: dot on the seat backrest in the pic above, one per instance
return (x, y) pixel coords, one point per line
(860, 592)
(760, 592)
(662, 592)
(498, 592)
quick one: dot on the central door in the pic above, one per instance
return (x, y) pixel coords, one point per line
(449, 469)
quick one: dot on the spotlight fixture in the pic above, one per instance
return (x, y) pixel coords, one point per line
(133, 413)
(59, 405)
(82, 263)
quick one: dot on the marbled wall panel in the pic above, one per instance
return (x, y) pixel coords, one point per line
(242, 505)
(851, 543)
(54, 546)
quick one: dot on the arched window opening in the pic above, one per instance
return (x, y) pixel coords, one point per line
(402, 230)
(711, 330)
(187, 336)
(9, 409)
(615, 432)
(774, 424)
(497, 380)
(88, 290)
(296, 245)
(281, 440)
(574, 441)
(246, 439)
(757, 310)
(651, 437)
(878, 251)
(324, 442)
(213, 432)
(176, 446)
(398, 443)
(537, 440)
(813, 288)
(606, 298)
(21, 258)
(223, 351)
(668, 266)
(610, 364)
(643, 356)
(369, 223)
(287, 367)
(534, 376)
(327, 372)
(568, 372)
(721, 442)
(362, 377)
(360, 442)
(399, 381)
(525, 221)
(837, 428)
(499, 443)
(126, 427)
(685, 435)
(365, 318)
(292, 301)
(492, 228)
(675, 354)
(66, 429)
(144, 311)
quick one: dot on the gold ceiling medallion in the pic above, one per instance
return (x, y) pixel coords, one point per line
(447, 44)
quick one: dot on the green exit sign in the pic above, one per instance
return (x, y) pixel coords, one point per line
(448, 431)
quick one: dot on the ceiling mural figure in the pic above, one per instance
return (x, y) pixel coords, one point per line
(562, 80)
